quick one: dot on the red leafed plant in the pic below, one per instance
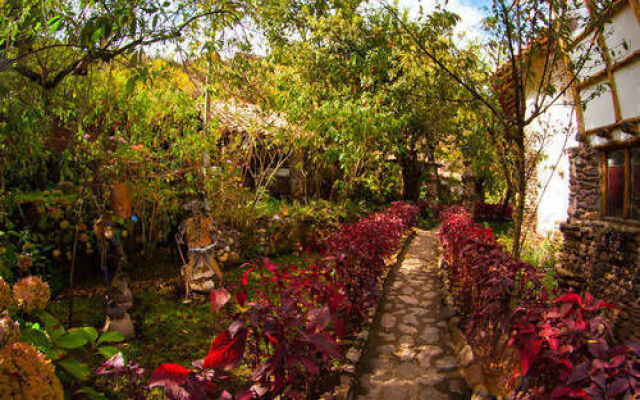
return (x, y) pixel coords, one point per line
(289, 327)
(491, 212)
(564, 348)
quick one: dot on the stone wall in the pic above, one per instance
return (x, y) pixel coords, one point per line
(601, 255)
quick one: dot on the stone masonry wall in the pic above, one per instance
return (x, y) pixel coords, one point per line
(600, 255)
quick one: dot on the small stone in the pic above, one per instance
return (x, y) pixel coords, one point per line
(409, 330)
(479, 393)
(364, 335)
(429, 295)
(406, 291)
(407, 370)
(386, 337)
(388, 321)
(465, 356)
(385, 349)
(429, 378)
(405, 354)
(447, 363)
(430, 350)
(408, 300)
(407, 340)
(430, 335)
(424, 360)
(410, 319)
(353, 355)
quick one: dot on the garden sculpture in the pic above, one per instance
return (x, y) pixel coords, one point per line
(118, 298)
(202, 240)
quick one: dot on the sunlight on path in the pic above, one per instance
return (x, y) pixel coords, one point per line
(411, 354)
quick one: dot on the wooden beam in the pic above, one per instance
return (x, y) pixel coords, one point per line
(618, 144)
(614, 88)
(629, 58)
(627, 123)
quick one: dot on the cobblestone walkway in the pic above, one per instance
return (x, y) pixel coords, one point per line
(410, 356)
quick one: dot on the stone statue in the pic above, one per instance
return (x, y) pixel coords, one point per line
(202, 241)
(119, 298)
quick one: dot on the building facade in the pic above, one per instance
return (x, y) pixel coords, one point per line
(602, 230)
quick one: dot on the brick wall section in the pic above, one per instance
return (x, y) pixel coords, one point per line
(600, 255)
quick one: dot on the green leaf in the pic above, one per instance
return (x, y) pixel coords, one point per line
(91, 393)
(76, 368)
(111, 337)
(54, 328)
(41, 342)
(55, 24)
(108, 351)
(77, 337)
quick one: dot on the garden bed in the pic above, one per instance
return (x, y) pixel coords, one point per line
(289, 325)
(519, 334)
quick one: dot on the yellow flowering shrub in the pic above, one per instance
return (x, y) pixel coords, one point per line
(26, 374)
(5, 295)
(31, 294)
(9, 331)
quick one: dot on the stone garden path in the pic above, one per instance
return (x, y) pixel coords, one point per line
(411, 355)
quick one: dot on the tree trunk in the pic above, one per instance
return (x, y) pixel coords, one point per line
(520, 193)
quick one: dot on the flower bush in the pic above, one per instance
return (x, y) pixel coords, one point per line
(9, 331)
(290, 320)
(26, 374)
(564, 348)
(6, 301)
(31, 294)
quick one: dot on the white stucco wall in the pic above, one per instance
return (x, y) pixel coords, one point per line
(555, 131)
(553, 169)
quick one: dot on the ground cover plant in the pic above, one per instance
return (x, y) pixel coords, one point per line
(557, 347)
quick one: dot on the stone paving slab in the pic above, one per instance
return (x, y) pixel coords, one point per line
(410, 356)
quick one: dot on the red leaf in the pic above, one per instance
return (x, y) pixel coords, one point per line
(324, 344)
(218, 298)
(168, 375)
(241, 298)
(226, 351)
(174, 392)
(245, 278)
(570, 298)
(620, 385)
(311, 366)
(318, 319)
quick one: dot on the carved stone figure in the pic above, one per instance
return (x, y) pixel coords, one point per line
(119, 298)
(202, 240)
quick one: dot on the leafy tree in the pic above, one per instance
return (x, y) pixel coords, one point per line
(529, 39)
(46, 41)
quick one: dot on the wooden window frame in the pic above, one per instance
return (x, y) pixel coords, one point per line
(604, 164)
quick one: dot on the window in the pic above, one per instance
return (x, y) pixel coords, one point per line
(621, 183)
(615, 181)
